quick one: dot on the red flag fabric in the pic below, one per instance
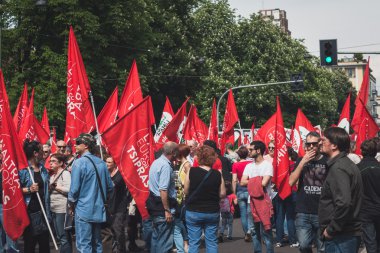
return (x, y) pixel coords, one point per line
(130, 142)
(15, 216)
(30, 128)
(246, 140)
(108, 114)
(167, 116)
(173, 132)
(213, 127)
(132, 94)
(79, 114)
(230, 119)
(367, 128)
(344, 120)
(45, 121)
(266, 131)
(253, 130)
(301, 128)
(21, 108)
(195, 128)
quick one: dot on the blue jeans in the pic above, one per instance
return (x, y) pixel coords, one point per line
(245, 210)
(88, 238)
(63, 236)
(162, 237)
(307, 227)
(227, 220)
(196, 222)
(371, 236)
(147, 232)
(180, 235)
(343, 244)
(285, 208)
(259, 233)
(6, 243)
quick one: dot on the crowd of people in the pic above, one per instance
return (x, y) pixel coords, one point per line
(195, 192)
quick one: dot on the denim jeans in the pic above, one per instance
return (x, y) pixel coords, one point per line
(245, 210)
(259, 233)
(343, 244)
(285, 208)
(227, 220)
(88, 238)
(147, 232)
(118, 231)
(6, 243)
(196, 222)
(371, 236)
(307, 227)
(180, 235)
(162, 237)
(63, 236)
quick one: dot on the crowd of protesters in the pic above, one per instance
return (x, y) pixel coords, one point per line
(194, 192)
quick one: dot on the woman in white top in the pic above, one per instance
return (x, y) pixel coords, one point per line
(59, 188)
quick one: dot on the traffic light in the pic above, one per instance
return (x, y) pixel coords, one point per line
(328, 51)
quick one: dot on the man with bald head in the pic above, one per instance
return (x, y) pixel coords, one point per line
(162, 199)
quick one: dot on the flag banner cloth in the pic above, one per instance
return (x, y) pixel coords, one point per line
(230, 119)
(213, 127)
(344, 120)
(21, 108)
(301, 128)
(130, 143)
(167, 116)
(195, 128)
(45, 121)
(108, 114)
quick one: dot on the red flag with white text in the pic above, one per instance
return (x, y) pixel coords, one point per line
(79, 114)
(195, 128)
(21, 108)
(344, 120)
(15, 216)
(130, 143)
(213, 127)
(45, 121)
(132, 94)
(109, 112)
(167, 116)
(301, 128)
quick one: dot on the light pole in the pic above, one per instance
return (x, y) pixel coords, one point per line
(247, 86)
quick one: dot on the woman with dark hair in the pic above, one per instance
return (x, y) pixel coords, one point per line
(204, 187)
(59, 187)
(242, 193)
(36, 232)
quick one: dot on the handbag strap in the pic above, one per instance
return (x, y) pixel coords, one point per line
(188, 200)
(99, 182)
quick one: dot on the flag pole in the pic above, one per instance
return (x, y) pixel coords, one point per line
(96, 124)
(43, 211)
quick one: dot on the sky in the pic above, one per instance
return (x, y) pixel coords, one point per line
(354, 23)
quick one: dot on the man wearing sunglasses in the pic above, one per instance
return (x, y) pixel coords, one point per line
(61, 147)
(310, 174)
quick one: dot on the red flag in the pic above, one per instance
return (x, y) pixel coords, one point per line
(130, 142)
(213, 127)
(281, 157)
(362, 96)
(132, 94)
(21, 109)
(253, 130)
(301, 129)
(30, 128)
(109, 112)
(79, 114)
(367, 128)
(230, 119)
(15, 218)
(167, 116)
(194, 128)
(173, 132)
(344, 120)
(45, 121)
(246, 140)
(266, 131)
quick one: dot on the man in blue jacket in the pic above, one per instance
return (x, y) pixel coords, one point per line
(85, 196)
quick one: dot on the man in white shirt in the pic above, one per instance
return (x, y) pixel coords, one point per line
(193, 147)
(262, 168)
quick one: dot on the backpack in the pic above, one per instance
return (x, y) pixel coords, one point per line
(224, 205)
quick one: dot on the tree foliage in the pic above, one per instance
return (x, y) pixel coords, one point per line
(183, 48)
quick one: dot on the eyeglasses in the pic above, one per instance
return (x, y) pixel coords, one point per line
(46, 152)
(270, 148)
(61, 147)
(309, 144)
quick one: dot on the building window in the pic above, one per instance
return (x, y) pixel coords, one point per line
(350, 72)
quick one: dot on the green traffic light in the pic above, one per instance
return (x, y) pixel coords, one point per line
(328, 59)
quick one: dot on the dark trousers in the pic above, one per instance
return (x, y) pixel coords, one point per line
(118, 231)
(30, 241)
(371, 236)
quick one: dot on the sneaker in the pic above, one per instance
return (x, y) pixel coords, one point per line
(278, 245)
(220, 238)
(248, 237)
(294, 245)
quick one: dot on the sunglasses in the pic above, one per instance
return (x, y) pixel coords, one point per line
(46, 152)
(61, 146)
(314, 144)
(271, 148)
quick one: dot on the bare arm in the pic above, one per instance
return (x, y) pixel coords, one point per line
(222, 191)
(244, 180)
(234, 182)
(165, 203)
(187, 183)
(295, 175)
(265, 181)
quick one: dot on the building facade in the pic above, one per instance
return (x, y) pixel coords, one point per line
(278, 17)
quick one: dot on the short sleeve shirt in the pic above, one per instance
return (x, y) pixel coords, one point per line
(265, 168)
(161, 177)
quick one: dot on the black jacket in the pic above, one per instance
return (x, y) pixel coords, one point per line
(340, 201)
